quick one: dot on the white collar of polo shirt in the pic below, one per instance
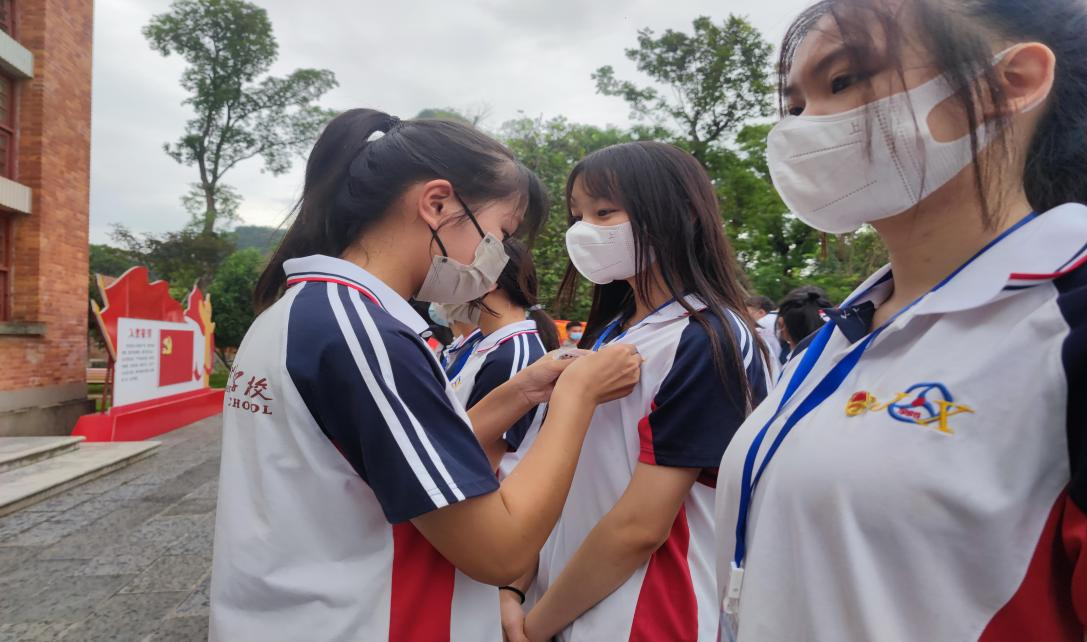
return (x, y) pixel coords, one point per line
(1042, 247)
(491, 341)
(319, 267)
(671, 311)
(462, 341)
(674, 310)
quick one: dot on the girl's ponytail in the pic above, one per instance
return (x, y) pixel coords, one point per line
(353, 177)
(545, 326)
(343, 140)
(519, 283)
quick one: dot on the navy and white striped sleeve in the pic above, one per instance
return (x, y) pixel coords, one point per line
(506, 360)
(694, 413)
(378, 395)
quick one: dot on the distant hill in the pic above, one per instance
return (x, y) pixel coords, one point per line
(262, 238)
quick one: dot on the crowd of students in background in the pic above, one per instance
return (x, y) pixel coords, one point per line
(780, 326)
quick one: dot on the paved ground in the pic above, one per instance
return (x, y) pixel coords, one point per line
(124, 557)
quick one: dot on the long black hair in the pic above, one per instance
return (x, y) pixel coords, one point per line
(956, 34)
(676, 222)
(352, 178)
(519, 283)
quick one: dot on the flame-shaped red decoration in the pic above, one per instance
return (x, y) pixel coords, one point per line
(133, 296)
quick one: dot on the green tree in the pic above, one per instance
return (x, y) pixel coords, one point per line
(195, 202)
(844, 261)
(228, 46)
(779, 251)
(447, 113)
(108, 260)
(551, 148)
(265, 239)
(183, 258)
(232, 297)
(708, 83)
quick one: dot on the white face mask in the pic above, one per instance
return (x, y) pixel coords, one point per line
(602, 253)
(825, 175)
(450, 281)
(458, 312)
(438, 314)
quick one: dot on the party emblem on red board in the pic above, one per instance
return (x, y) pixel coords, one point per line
(156, 347)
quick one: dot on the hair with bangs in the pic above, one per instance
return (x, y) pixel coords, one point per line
(958, 35)
(677, 227)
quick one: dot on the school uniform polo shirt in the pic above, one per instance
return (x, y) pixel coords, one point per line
(766, 328)
(494, 360)
(680, 414)
(939, 493)
(339, 428)
(455, 349)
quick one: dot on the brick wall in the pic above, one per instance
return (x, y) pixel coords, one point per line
(50, 250)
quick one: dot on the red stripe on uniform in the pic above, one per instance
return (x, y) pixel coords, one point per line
(1074, 537)
(422, 589)
(1044, 606)
(667, 609)
(325, 279)
(1052, 275)
(645, 438)
(515, 334)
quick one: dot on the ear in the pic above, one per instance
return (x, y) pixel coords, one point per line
(1026, 73)
(436, 202)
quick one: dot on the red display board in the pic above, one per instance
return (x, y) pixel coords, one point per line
(161, 357)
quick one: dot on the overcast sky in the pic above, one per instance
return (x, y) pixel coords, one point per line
(511, 56)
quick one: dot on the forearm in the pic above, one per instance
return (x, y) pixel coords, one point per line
(533, 506)
(605, 560)
(495, 451)
(494, 414)
(495, 538)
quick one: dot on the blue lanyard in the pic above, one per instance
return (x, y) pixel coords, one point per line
(608, 329)
(465, 351)
(826, 387)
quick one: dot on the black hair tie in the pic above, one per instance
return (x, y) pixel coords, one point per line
(516, 591)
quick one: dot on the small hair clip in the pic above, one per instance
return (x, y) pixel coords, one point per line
(536, 308)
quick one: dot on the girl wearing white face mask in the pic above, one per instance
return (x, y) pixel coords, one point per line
(516, 333)
(462, 319)
(355, 501)
(630, 558)
(920, 472)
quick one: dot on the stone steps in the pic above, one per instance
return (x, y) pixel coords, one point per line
(23, 451)
(47, 469)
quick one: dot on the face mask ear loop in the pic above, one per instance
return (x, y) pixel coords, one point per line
(438, 239)
(471, 216)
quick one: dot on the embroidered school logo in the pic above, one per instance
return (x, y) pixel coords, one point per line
(923, 404)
